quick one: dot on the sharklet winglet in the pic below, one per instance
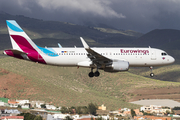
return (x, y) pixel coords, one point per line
(84, 43)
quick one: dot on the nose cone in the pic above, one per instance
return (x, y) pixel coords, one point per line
(171, 60)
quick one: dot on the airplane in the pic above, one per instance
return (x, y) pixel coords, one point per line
(107, 59)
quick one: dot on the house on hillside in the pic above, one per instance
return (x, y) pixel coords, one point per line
(26, 106)
(86, 117)
(37, 104)
(13, 103)
(156, 109)
(102, 107)
(51, 107)
(151, 118)
(57, 116)
(12, 111)
(166, 110)
(3, 101)
(102, 112)
(22, 102)
(138, 113)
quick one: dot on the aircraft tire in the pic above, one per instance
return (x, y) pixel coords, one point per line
(96, 74)
(91, 74)
(152, 74)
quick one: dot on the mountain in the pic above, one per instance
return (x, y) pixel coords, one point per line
(67, 34)
(160, 38)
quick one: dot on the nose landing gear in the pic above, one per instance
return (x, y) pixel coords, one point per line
(151, 74)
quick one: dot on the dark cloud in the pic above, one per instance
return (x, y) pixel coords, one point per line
(139, 15)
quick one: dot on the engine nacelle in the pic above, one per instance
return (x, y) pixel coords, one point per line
(117, 66)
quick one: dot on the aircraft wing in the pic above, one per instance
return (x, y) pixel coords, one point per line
(95, 57)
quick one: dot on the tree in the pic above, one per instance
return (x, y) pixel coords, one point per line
(133, 113)
(176, 108)
(68, 118)
(167, 112)
(78, 110)
(64, 110)
(19, 106)
(43, 106)
(38, 118)
(84, 110)
(92, 108)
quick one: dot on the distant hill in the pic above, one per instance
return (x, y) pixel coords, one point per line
(67, 33)
(160, 38)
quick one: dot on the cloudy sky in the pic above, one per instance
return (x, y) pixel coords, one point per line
(139, 15)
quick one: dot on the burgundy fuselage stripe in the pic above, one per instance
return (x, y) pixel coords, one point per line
(27, 48)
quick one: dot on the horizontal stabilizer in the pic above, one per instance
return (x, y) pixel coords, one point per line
(15, 52)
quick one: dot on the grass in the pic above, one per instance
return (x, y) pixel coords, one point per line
(165, 73)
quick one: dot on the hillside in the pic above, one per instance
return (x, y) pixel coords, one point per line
(161, 38)
(72, 87)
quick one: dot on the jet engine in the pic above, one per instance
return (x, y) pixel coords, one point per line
(117, 66)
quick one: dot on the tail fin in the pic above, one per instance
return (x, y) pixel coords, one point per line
(22, 43)
(19, 38)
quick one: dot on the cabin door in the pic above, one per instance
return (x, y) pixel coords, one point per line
(153, 55)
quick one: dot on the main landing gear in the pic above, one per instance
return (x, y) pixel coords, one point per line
(151, 74)
(96, 74)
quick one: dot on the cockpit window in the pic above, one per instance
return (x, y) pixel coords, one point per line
(163, 54)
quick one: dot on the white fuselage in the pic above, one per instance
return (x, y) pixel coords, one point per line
(137, 57)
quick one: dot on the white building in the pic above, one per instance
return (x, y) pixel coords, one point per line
(85, 117)
(155, 109)
(25, 106)
(51, 107)
(37, 104)
(22, 102)
(12, 111)
(61, 116)
(3, 104)
(57, 116)
(13, 105)
(75, 116)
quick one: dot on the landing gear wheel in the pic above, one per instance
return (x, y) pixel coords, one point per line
(152, 74)
(91, 74)
(96, 74)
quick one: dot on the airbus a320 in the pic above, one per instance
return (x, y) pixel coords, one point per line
(107, 59)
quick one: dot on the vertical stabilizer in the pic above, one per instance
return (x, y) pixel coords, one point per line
(23, 46)
(19, 38)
